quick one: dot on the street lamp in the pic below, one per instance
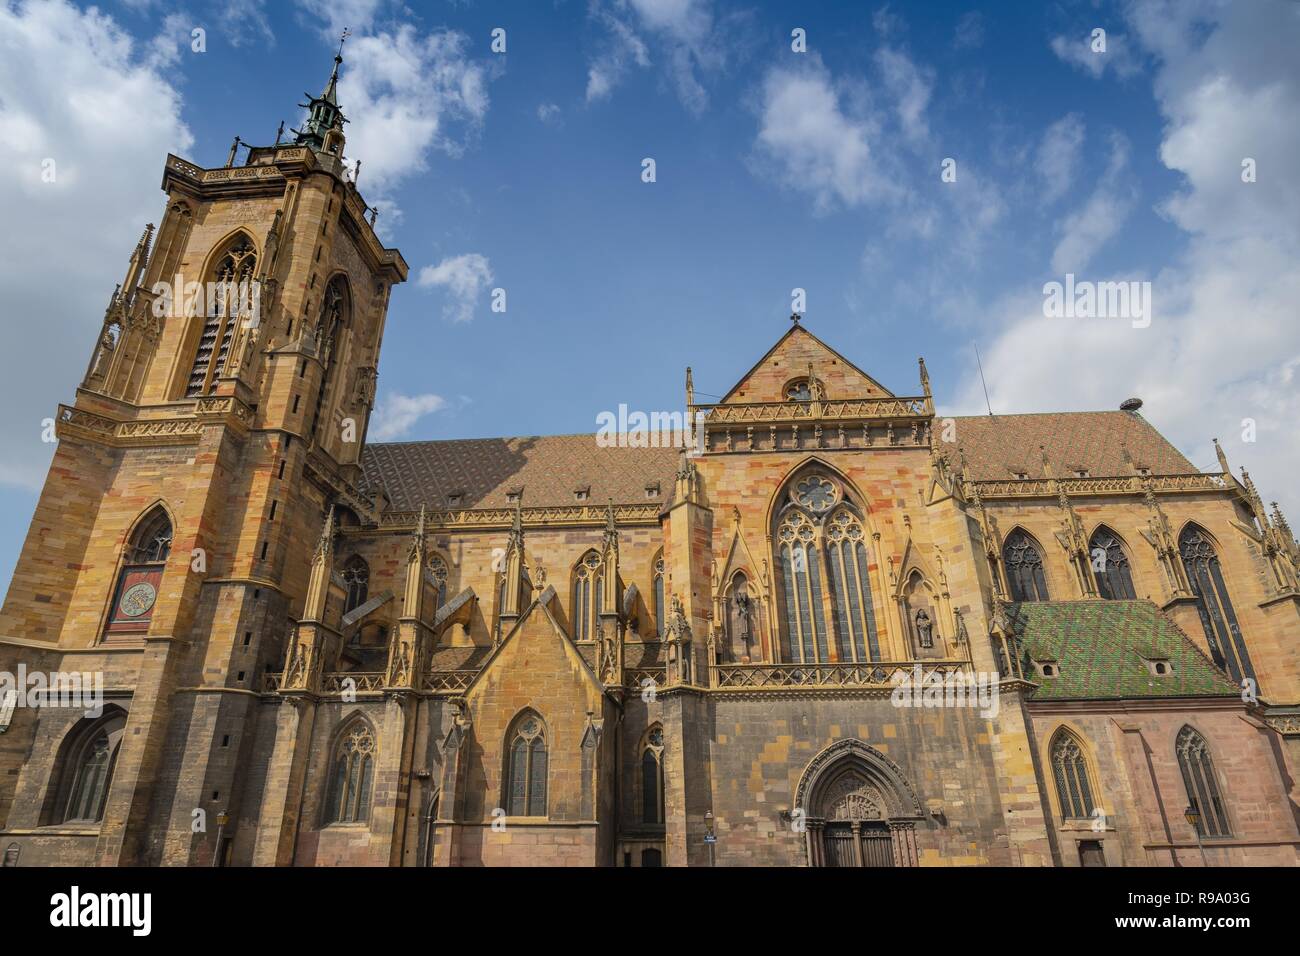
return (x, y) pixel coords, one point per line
(222, 819)
(710, 839)
(1193, 817)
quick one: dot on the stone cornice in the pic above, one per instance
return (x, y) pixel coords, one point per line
(91, 426)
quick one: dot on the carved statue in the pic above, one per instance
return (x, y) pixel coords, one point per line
(924, 629)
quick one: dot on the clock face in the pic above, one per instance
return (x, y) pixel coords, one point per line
(138, 599)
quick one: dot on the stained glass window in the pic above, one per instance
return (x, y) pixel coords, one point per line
(356, 577)
(354, 760)
(1024, 567)
(1201, 783)
(526, 773)
(1110, 566)
(1218, 618)
(1070, 769)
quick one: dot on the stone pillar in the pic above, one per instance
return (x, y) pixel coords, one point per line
(277, 825)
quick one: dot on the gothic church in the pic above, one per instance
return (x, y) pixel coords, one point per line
(546, 651)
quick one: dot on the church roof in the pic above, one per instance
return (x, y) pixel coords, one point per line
(1102, 648)
(547, 468)
(997, 447)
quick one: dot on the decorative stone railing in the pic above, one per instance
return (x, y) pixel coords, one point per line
(335, 683)
(444, 681)
(636, 678)
(501, 518)
(867, 674)
(871, 409)
(1115, 485)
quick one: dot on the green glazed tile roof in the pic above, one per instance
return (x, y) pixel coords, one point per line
(1102, 649)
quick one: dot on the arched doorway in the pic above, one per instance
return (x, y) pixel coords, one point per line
(858, 809)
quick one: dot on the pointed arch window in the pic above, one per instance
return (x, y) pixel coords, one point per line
(652, 776)
(587, 590)
(855, 614)
(823, 563)
(1024, 566)
(152, 541)
(526, 767)
(1201, 783)
(356, 578)
(1074, 790)
(335, 313)
(1110, 566)
(140, 577)
(438, 572)
(660, 623)
(352, 774)
(230, 302)
(801, 582)
(1218, 618)
(89, 770)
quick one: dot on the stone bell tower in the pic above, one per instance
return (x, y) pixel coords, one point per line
(222, 414)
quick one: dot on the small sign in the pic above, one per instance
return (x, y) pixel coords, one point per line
(710, 838)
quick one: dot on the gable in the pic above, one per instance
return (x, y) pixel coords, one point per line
(789, 359)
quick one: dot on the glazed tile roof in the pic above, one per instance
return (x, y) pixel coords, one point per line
(548, 468)
(997, 447)
(1102, 648)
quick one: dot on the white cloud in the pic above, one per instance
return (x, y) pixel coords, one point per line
(682, 30)
(911, 87)
(464, 278)
(1087, 229)
(812, 143)
(1224, 343)
(1078, 52)
(406, 95)
(549, 114)
(105, 116)
(395, 414)
(1057, 157)
(244, 21)
(334, 16)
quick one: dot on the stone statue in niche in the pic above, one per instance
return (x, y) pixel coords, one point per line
(924, 629)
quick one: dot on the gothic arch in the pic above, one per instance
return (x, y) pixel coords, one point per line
(900, 800)
(650, 775)
(1201, 557)
(1026, 577)
(1088, 787)
(356, 577)
(353, 755)
(857, 808)
(1116, 581)
(525, 769)
(210, 335)
(333, 315)
(224, 245)
(84, 765)
(143, 518)
(825, 593)
(776, 503)
(586, 591)
(1201, 781)
(142, 558)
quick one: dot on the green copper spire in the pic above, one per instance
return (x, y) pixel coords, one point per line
(324, 113)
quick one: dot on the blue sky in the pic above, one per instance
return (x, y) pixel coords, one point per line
(774, 170)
